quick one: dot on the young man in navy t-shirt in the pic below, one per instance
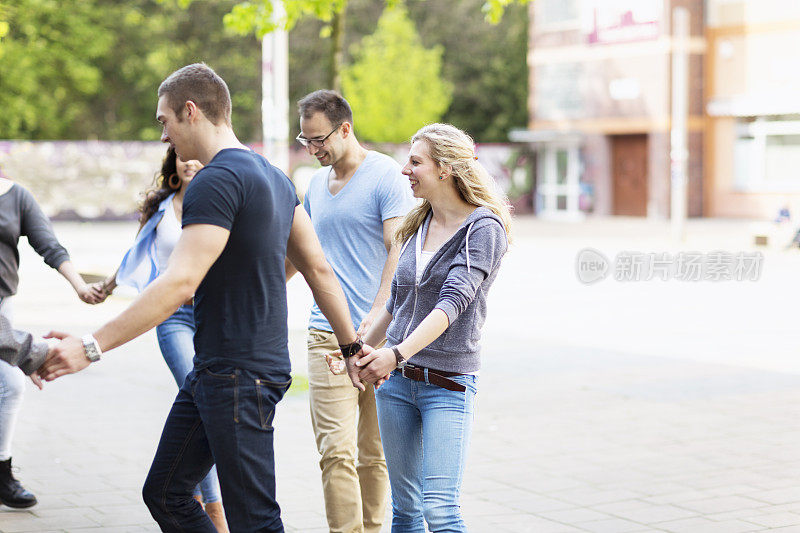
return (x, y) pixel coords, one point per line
(241, 220)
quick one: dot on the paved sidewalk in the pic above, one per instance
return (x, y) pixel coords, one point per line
(615, 407)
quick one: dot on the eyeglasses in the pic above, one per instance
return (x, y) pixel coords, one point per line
(318, 143)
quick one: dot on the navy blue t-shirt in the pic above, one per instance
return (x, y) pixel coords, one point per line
(240, 306)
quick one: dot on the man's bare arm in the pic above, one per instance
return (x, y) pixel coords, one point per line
(198, 248)
(290, 269)
(305, 253)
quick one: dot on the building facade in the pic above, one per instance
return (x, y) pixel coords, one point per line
(599, 106)
(753, 108)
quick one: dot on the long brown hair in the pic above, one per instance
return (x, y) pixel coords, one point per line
(154, 196)
(449, 146)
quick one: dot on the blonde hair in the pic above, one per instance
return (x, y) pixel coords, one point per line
(449, 146)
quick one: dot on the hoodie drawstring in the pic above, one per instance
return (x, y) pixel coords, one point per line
(468, 229)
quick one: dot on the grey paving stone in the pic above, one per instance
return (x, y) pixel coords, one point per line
(721, 505)
(612, 525)
(778, 496)
(773, 520)
(653, 514)
(577, 515)
(589, 413)
(703, 525)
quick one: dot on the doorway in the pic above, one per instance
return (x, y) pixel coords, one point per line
(629, 171)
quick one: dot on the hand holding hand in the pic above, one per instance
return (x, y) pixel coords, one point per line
(376, 367)
(352, 369)
(89, 294)
(37, 380)
(67, 357)
(99, 291)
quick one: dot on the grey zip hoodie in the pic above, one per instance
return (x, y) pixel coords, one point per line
(456, 280)
(19, 348)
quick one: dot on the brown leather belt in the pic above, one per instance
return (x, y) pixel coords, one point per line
(435, 377)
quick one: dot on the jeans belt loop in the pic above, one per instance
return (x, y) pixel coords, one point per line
(426, 377)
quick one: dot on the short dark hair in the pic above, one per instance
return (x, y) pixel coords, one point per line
(200, 84)
(330, 103)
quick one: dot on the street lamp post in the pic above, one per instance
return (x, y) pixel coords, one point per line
(275, 93)
(679, 150)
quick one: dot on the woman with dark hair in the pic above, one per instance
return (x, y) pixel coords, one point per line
(160, 219)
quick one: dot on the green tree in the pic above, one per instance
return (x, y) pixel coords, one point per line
(153, 39)
(77, 69)
(259, 16)
(48, 66)
(3, 26)
(394, 84)
(486, 63)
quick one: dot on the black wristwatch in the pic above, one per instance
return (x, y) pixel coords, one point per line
(349, 350)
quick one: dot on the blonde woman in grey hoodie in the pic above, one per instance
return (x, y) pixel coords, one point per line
(428, 371)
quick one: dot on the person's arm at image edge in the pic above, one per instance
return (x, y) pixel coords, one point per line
(20, 348)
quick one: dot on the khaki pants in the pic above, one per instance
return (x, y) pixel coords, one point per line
(345, 420)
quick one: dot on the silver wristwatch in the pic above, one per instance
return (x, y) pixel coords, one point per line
(91, 348)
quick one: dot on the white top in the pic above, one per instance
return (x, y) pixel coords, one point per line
(167, 234)
(422, 261)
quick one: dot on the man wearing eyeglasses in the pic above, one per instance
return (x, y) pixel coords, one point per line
(355, 202)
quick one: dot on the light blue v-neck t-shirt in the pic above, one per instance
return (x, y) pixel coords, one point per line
(350, 227)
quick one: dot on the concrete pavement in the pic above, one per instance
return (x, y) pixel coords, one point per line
(613, 407)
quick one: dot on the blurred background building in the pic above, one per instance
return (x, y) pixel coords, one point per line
(752, 130)
(600, 97)
(592, 138)
(599, 106)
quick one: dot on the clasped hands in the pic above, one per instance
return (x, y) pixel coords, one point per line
(66, 356)
(369, 364)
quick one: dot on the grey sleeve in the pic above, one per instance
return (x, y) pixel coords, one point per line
(18, 348)
(392, 295)
(37, 228)
(486, 248)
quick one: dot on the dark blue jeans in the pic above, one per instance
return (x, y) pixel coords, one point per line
(176, 340)
(222, 416)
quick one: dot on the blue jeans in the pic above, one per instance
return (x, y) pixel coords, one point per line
(222, 415)
(176, 340)
(12, 388)
(425, 431)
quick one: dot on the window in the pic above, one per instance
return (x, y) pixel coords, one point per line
(782, 158)
(558, 190)
(550, 14)
(766, 154)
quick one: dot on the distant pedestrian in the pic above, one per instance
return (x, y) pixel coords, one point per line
(453, 244)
